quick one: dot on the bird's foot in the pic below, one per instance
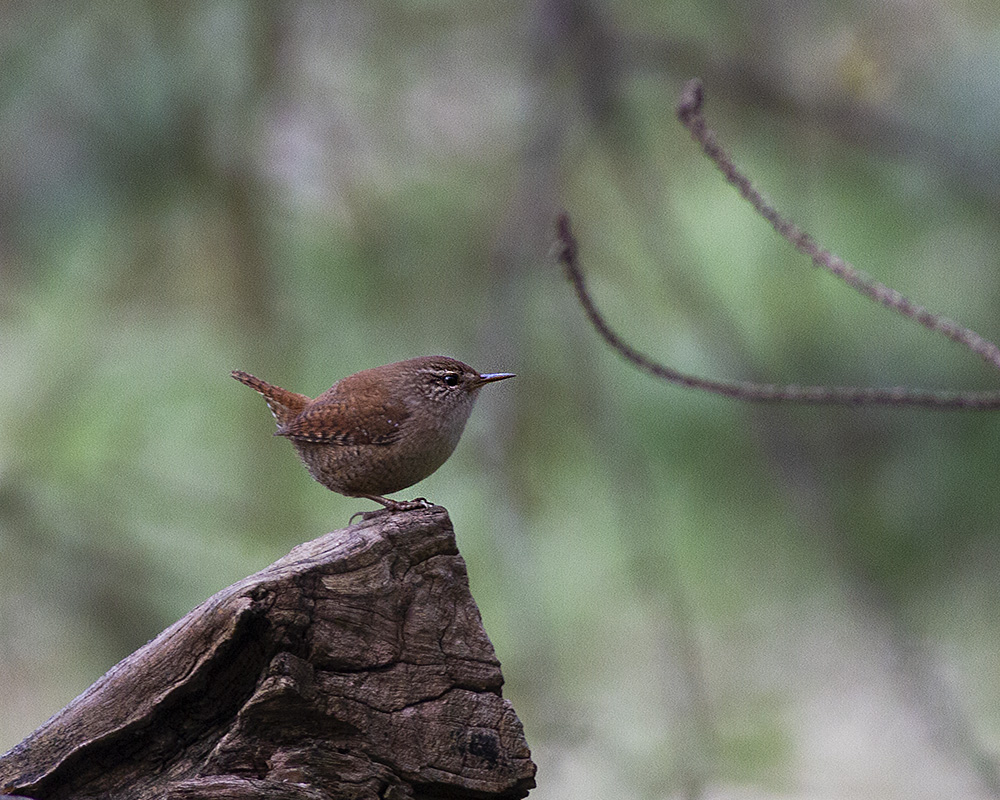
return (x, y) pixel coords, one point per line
(391, 507)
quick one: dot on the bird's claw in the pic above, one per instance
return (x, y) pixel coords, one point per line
(404, 505)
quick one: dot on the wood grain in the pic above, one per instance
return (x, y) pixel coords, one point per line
(355, 667)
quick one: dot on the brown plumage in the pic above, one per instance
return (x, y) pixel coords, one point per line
(382, 429)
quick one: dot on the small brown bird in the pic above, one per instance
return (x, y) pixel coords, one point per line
(382, 429)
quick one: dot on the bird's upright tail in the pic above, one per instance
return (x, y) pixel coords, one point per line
(285, 405)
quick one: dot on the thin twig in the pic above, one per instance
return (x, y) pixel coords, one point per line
(759, 392)
(689, 113)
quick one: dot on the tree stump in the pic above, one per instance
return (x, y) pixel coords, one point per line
(354, 667)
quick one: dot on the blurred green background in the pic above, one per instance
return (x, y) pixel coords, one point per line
(690, 597)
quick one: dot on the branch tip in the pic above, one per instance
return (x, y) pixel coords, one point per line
(566, 241)
(692, 96)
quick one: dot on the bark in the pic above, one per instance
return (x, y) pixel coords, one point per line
(354, 667)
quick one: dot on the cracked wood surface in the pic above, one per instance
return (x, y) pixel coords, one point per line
(354, 667)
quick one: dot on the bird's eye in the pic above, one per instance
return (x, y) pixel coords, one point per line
(451, 379)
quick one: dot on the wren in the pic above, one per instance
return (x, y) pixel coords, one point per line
(380, 430)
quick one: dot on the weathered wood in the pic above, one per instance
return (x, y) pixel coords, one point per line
(354, 667)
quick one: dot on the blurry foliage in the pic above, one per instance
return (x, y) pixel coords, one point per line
(685, 593)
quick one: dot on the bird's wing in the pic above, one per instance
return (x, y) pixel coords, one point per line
(334, 419)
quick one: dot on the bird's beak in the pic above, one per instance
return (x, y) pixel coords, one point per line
(489, 377)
